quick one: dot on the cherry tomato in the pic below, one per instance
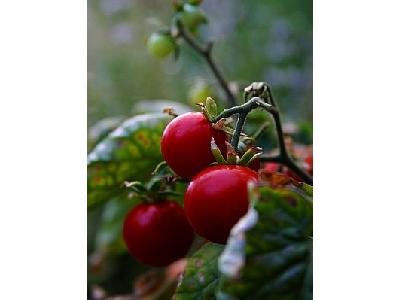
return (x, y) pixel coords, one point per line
(186, 144)
(216, 199)
(160, 45)
(309, 161)
(157, 234)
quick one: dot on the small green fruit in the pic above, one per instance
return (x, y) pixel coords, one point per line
(160, 45)
(192, 16)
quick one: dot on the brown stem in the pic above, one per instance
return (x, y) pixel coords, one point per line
(206, 53)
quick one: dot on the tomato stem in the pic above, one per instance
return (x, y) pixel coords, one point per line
(238, 130)
(205, 52)
(261, 97)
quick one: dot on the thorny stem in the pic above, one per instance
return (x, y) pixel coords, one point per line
(255, 102)
(206, 53)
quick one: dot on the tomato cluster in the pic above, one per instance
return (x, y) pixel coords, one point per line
(162, 43)
(216, 197)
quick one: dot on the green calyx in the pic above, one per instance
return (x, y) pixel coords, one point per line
(232, 157)
(157, 188)
(209, 108)
(210, 111)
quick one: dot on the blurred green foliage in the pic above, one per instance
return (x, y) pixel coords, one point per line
(255, 40)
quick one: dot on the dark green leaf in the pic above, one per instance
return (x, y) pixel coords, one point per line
(269, 252)
(308, 189)
(129, 153)
(200, 279)
(109, 233)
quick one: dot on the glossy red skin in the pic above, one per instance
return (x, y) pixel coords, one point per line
(157, 234)
(216, 199)
(186, 144)
(309, 161)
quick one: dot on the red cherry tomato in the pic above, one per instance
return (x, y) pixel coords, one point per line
(271, 167)
(157, 234)
(216, 199)
(309, 161)
(186, 144)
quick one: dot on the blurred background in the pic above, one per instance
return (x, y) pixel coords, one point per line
(255, 40)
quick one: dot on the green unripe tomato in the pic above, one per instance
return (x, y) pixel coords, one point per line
(192, 16)
(160, 45)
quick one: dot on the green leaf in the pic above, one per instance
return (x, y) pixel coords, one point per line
(109, 233)
(200, 278)
(269, 252)
(129, 153)
(308, 189)
(101, 129)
